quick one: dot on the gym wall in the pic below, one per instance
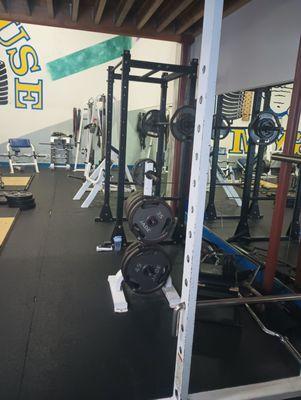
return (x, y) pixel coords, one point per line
(51, 70)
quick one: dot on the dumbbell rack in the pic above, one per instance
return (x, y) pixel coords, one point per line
(60, 148)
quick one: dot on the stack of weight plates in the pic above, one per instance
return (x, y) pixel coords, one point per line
(22, 200)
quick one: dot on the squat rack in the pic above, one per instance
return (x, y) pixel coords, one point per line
(198, 181)
(170, 72)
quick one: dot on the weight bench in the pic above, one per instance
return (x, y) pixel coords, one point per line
(14, 152)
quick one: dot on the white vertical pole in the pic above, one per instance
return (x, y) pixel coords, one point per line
(207, 76)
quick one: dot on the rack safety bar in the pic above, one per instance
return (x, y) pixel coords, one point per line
(236, 301)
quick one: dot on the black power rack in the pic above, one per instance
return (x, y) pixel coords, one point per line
(170, 72)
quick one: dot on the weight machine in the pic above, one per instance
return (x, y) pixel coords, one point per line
(230, 105)
(221, 128)
(264, 130)
(90, 124)
(150, 217)
(184, 312)
(60, 150)
(170, 72)
(95, 114)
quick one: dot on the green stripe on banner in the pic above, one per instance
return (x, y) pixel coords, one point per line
(89, 57)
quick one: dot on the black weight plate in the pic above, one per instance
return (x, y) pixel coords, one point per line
(137, 202)
(135, 199)
(224, 131)
(145, 269)
(130, 250)
(29, 203)
(3, 200)
(28, 207)
(182, 123)
(151, 220)
(130, 200)
(265, 128)
(20, 202)
(18, 195)
(138, 172)
(150, 123)
(20, 199)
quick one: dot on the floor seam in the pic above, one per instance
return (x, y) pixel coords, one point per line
(35, 297)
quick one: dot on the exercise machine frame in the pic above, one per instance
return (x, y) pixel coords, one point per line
(278, 389)
(170, 72)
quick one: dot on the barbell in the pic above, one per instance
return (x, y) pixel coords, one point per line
(181, 123)
(139, 171)
(263, 130)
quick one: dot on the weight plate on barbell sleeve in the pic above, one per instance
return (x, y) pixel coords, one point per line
(138, 172)
(265, 128)
(182, 123)
(224, 129)
(145, 269)
(151, 122)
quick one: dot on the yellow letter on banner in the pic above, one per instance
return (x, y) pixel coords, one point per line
(24, 53)
(29, 92)
(239, 143)
(14, 39)
(4, 24)
(298, 144)
(280, 143)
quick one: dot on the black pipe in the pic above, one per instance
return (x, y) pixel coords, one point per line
(254, 212)
(118, 229)
(185, 161)
(243, 225)
(210, 212)
(161, 137)
(106, 213)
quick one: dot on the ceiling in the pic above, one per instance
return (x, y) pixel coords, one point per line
(174, 20)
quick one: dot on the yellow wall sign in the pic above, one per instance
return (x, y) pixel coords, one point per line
(24, 64)
(239, 143)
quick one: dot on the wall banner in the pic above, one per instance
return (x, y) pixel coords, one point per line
(23, 62)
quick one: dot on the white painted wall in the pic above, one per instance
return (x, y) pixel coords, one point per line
(62, 95)
(259, 45)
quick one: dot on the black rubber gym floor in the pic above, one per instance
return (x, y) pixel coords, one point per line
(59, 336)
